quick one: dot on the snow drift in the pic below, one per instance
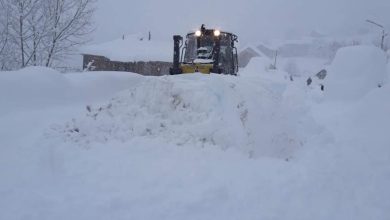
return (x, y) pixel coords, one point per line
(33, 86)
(354, 72)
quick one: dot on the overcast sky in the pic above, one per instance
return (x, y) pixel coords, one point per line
(252, 20)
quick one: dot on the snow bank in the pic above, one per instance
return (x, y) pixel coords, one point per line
(34, 81)
(40, 87)
(196, 109)
(353, 164)
(369, 116)
(354, 72)
(131, 49)
(32, 86)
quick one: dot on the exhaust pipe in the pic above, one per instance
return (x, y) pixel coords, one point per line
(177, 39)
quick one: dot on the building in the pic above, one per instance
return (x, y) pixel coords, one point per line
(248, 53)
(129, 54)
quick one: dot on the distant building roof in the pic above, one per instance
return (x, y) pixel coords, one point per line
(253, 48)
(247, 53)
(132, 48)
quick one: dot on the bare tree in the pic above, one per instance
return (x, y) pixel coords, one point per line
(3, 26)
(38, 32)
(4, 33)
(69, 24)
(38, 25)
(20, 34)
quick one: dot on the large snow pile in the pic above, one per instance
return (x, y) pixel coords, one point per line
(131, 48)
(354, 72)
(196, 109)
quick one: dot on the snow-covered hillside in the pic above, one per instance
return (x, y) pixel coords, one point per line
(105, 145)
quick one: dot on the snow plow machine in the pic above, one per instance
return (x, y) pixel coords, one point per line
(205, 51)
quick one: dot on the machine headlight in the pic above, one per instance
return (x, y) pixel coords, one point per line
(217, 33)
(198, 33)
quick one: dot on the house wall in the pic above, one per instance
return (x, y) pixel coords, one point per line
(270, 53)
(101, 63)
(245, 56)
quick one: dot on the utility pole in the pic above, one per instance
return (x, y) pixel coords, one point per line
(276, 57)
(384, 34)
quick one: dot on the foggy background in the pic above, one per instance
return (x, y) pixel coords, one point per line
(251, 20)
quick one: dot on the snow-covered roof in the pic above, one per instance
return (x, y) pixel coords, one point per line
(132, 48)
(253, 48)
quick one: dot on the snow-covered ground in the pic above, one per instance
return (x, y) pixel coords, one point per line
(107, 145)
